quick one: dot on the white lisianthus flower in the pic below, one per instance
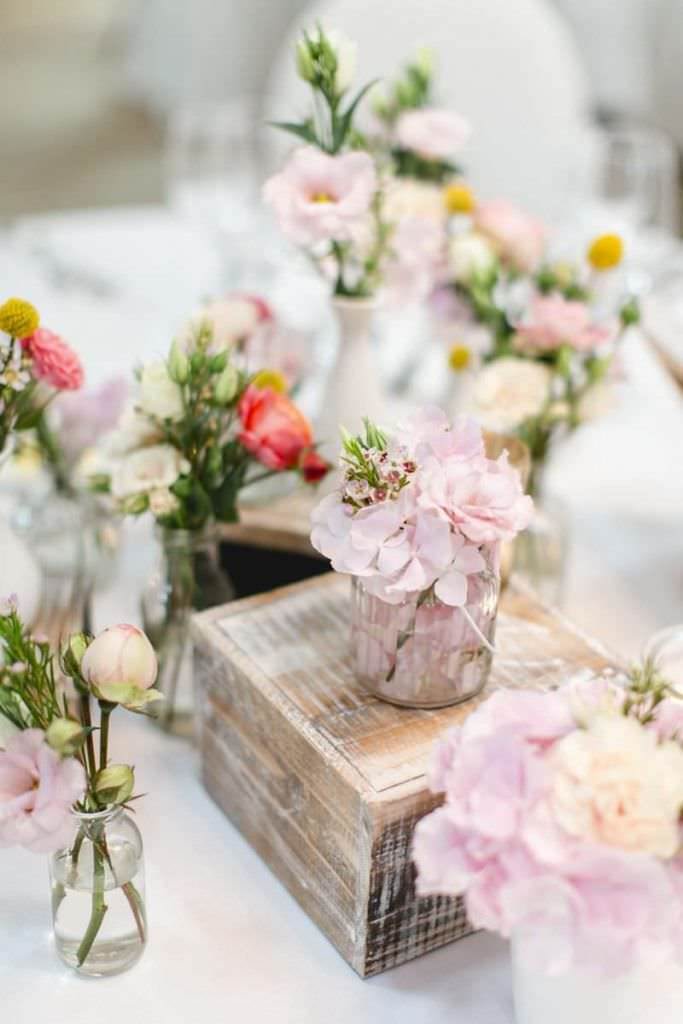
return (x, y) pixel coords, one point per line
(470, 254)
(134, 430)
(159, 395)
(162, 502)
(615, 783)
(509, 391)
(147, 470)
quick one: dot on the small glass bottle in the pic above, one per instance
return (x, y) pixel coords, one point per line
(98, 894)
(422, 653)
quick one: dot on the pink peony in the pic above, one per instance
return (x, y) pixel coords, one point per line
(553, 321)
(274, 430)
(53, 361)
(518, 237)
(37, 791)
(432, 133)
(318, 197)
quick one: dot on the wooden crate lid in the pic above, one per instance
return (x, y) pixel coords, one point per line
(293, 644)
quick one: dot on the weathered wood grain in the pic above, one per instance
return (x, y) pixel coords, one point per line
(327, 782)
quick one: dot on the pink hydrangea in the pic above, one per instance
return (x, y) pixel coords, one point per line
(53, 361)
(37, 790)
(440, 525)
(518, 237)
(318, 197)
(432, 133)
(553, 321)
(497, 840)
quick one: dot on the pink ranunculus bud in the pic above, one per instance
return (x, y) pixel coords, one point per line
(53, 360)
(274, 430)
(120, 666)
(432, 133)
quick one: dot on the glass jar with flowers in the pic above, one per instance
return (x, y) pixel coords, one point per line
(418, 522)
(569, 844)
(539, 343)
(197, 432)
(36, 368)
(60, 794)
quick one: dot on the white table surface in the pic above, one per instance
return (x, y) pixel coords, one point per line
(226, 940)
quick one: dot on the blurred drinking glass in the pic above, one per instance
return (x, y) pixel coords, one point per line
(212, 168)
(636, 178)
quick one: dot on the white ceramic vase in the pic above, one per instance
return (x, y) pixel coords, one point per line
(354, 388)
(651, 994)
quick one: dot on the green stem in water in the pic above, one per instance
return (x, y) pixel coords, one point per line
(99, 907)
(406, 634)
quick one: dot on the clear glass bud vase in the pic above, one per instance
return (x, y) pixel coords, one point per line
(188, 578)
(540, 558)
(98, 894)
(422, 653)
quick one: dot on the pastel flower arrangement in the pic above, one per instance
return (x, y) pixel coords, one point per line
(561, 821)
(420, 508)
(417, 522)
(196, 429)
(50, 765)
(328, 197)
(541, 336)
(35, 364)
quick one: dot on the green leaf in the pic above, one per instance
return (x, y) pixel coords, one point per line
(342, 124)
(303, 131)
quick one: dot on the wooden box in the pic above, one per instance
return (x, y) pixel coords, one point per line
(325, 781)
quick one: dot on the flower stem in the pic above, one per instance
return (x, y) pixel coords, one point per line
(99, 907)
(84, 701)
(105, 714)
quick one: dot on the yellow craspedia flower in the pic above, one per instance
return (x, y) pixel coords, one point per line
(271, 379)
(458, 198)
(459, 358)
(18, 318)
(605, 252)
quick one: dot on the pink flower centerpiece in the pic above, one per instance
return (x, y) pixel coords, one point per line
(417, 522)
(561, 826)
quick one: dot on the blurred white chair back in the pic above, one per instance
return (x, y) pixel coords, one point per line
(510, 66)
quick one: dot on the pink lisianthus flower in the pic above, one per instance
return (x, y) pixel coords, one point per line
(319, 198)
(553, 321)
(37, 791)
(432, 133)
(518, 237)
(53, 361)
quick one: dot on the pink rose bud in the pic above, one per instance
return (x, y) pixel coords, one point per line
(120, 663)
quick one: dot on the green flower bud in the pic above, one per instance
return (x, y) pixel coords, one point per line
(178, 364)
(630, 313)
(227, 385)
(424, 61)
(305, 65)
(65, 736)
(72, 653)
(114, 784)
(135, 504)
(218, 362)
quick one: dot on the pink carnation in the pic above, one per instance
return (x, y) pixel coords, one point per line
(37, 791)
(318, 197)
(432, 133)
(53, 360)
(519, 238)
(553, 321)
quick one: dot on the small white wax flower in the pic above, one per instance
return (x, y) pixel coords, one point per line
(159, 395)
(120, 666)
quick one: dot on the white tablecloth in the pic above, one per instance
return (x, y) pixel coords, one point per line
(226, 941)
